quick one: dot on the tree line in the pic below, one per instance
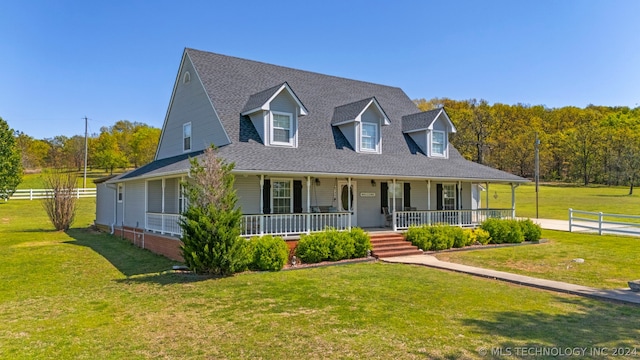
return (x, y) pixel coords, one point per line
(596, 144)
(123, 145)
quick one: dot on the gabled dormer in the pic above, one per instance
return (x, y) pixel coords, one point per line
(360, 122)
(430, 130)
(274, 113)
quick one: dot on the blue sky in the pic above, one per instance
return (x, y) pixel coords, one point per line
(117, 60)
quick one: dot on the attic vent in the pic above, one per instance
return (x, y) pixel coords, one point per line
(187, 78)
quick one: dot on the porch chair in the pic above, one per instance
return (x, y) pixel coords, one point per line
(388, 218)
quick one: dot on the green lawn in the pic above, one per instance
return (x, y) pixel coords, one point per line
(82, 295)
(554, 201)
(610, 261)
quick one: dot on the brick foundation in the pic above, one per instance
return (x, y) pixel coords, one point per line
(165, 245)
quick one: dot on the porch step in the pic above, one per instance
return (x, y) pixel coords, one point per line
(392, 244)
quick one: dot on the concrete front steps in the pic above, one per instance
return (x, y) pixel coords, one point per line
(391, 244)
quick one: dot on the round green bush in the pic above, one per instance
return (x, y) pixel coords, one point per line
(530, 230)
(419, 236)
(362, 242)
(313, 248)
(269, 253)
(482, 236)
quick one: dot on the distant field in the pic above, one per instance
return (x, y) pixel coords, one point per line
(35, 180)
(555, 200)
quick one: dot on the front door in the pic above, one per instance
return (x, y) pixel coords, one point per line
(344, 196)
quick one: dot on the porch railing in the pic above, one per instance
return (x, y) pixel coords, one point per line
(164, 223)
(402, 220)
(262, 224)
(293, 224)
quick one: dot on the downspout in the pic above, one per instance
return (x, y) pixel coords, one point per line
(115, 208)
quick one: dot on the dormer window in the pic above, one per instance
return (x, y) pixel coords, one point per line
(369, 137)
(438, 143)
(186, 137)
(274, 113)
(360, 123)
(281, 128)
(430, 131)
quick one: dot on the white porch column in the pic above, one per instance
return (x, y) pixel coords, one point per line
(487, 194)
(308, 215)
(261, 204)
(349, 192)
(459, 196)
(163, 189)
(513, 200)
(429, 201)
(393, 213)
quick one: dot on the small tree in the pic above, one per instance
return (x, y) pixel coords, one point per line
(211, 223)
(10, 162)
(60, 205)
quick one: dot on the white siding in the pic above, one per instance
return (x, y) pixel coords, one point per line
(105, 201)
(258, 119)
(369, 207)
(154, 197)
(420, 138)
(248, 191)
(349, 132)
(190, 103)
(419, 195)
(134, 204)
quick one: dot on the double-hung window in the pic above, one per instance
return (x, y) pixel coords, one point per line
(281, 196)
(448, 197)
(186, 137)
(398, 190)
(438, 143)
(281, 128)
(369, 138)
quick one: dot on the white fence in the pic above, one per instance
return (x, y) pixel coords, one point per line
(601, 222)
(34, 194)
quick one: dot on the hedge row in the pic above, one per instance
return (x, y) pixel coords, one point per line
(512, 231)
(333, 245)
(495, 231)
(441, 237)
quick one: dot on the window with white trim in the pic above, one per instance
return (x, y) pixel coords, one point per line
(120, 193)
(186, 137)
(369, 137)
(448, 196)
(281, 128)
(399, 193)
(281, 197)
(438, 143)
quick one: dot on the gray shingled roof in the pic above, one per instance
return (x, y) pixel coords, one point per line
(322, 148)
(421, 120)
(349, 111)
(257, 100)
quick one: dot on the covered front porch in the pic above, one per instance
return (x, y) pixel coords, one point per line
(301, 204)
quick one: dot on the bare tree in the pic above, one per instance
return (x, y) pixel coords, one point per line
(60, 203)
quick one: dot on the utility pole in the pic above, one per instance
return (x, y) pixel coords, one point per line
(537, 176)
(84, 182)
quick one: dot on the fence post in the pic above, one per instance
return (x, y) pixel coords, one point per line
(600, 223)
(570, 219)
(30, 194)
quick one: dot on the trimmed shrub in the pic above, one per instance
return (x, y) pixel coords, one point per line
(333, 245)
(269, 253)
(530, 230)
(503, 231)
(482, 236)
(361, 242)
(313, 248)
(419, 236)
(460, 237)
(441, 237)
(341, 245)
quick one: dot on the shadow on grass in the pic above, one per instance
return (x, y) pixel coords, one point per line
(590, 326)
(127, 258)
(138, 265)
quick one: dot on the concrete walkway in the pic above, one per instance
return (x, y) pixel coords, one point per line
(563, 225)
(620, 295)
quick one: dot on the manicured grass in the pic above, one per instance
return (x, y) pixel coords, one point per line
(84, 295)
(554, 201)
(610, 261)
